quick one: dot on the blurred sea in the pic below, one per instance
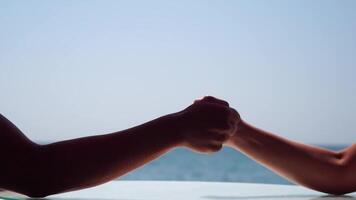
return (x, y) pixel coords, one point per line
(226, 165)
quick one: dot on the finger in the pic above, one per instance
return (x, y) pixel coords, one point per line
(234, 120)
(225, 121)
(235, 115)
(212, 135)
(211, 148)
(214, 116)
(225, 134)
(211, 99)
(219, 137)
(221, 126)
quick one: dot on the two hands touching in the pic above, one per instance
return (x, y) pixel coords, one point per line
(89, 161)
(207, 124)
(203, 127)
(210, 123)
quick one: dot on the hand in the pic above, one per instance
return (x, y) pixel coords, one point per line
(207, 124)
(236, 119)
(210, 99)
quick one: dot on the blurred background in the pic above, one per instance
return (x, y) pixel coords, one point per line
(76, 68)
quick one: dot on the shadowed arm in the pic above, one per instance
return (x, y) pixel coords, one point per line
(41, 170)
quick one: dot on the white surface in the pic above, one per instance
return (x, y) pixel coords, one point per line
(173, 190)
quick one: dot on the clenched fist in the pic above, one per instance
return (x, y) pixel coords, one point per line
(207, 124)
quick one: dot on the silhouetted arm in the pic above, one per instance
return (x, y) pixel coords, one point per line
(41, 170)
(316, 168)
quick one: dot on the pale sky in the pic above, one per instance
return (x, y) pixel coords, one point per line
(79, 68)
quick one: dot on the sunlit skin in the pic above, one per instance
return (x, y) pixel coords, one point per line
(41, 170)
(327, 171)
(317, 168)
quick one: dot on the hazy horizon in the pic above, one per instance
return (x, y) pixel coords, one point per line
(78, 68)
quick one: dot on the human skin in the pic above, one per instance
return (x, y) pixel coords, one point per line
(324, 170)
(327, 171)
(41, 170)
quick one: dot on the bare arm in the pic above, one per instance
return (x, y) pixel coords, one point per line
(41, 170)
(317, 168)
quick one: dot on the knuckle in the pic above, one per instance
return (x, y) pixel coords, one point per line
(196, 101)
(208, 97)
(234, 113)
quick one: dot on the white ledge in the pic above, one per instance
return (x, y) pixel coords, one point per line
(184, 190)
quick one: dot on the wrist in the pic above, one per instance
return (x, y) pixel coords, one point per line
(173, 126)
(239, 134)
(242, 127)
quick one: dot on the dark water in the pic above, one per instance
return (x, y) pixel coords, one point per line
(226, 165)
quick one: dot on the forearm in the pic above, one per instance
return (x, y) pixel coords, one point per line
(313, 167)
(85, 162)
(39, 171)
